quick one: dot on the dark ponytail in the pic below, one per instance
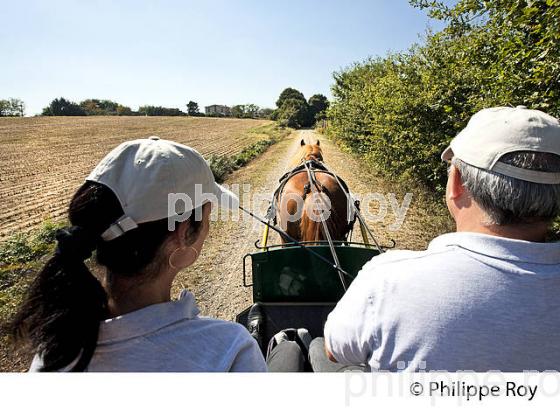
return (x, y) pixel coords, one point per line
(65, 304)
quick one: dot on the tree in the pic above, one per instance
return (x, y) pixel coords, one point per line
(61, 106)
(124, 110)
(192, 108)
(101, 107)
(293, 109)
(238, 111)
(318, 105)
(5, 109)
(12, 108)
(251, 110)
(265, 113)
(294, 113)
(289, 94)
(245, 111)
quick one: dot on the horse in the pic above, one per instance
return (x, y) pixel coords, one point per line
(310, 184)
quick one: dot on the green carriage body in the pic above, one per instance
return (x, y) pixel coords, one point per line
(295, 288)
(291, 274)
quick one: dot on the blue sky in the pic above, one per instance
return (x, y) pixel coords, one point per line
(169, 52)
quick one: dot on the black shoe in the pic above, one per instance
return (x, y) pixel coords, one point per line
(255, 324)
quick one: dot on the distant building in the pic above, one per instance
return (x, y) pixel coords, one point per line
(215, 109)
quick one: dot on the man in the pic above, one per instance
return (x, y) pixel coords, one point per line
(486, 297)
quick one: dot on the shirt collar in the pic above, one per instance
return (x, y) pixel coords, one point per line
(149, 319)
(544, 253)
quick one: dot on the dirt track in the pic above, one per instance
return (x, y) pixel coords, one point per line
(216, 279)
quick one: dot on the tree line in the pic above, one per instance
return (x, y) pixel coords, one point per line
(401, 110)
(63, 107)
(292, 109)
(12, 107)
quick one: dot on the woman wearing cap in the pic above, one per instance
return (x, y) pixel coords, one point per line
(129, 323)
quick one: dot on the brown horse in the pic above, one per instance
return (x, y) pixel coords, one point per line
(296, 200)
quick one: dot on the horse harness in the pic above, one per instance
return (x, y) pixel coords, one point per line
(310, 167)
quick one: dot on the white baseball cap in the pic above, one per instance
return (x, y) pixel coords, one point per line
(143, 173)
(493, 132)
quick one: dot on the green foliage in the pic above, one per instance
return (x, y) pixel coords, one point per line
(266, 113)
(104, 107)
(221, 166)
(16, 249)
(22, 248)
(293, 109)
(245, 111)
(151, 110)
(318, 105)
(20, 256)
(250, 111)
(61, 106)
(289, 94)
(12, 107)
(123, 110)
(238, 111)
(294, 113)
(402, 110)
(192, 109)
(252, 151)
(90, 106)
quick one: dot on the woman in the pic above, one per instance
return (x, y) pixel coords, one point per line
(127, 212)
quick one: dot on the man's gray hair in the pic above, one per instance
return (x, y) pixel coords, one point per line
(507, 200)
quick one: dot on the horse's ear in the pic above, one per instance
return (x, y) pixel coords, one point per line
(302, 142)
(318, 142)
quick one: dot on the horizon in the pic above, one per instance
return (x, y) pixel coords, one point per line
(136, 53)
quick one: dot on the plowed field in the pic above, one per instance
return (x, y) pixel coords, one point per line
(44, 159)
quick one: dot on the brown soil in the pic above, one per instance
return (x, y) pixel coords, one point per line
(43, 160)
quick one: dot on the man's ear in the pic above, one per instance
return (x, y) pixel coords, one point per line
(456, 188)
(318, 142)
(302, 142)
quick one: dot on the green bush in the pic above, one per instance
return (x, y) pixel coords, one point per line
(22, 248)
(400, 111)
(16, 249)
(252, 151)
(221, 166)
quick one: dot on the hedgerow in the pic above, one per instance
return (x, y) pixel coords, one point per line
(401, 110)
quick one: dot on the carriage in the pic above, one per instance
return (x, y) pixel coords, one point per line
(294, 288)
(296, 284)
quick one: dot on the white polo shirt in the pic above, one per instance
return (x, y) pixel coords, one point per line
(171, 337)
(469, 302)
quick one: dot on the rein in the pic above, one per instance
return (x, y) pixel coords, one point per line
(310, 167)
(314, 186)
(315, 189)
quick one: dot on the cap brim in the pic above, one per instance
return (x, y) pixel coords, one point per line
(447, 154)
(226, 199)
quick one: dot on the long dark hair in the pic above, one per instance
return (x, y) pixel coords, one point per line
(64, 305)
